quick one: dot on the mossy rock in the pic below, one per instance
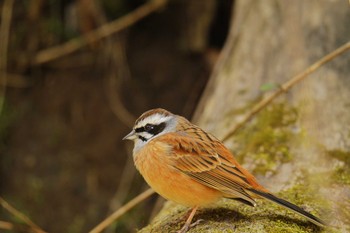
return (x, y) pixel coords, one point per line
(231, 216)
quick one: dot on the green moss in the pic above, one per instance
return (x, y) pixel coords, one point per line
(268, 87)
(341, 174)
(340, 155)
(266, 139)
(306, 195)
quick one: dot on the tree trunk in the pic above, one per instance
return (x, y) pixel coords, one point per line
(299, 146)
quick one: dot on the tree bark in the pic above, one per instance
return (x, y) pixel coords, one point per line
(299, 146)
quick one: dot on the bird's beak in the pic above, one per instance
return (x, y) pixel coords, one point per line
(130, 136)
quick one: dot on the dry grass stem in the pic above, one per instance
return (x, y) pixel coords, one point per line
(21, 216)
(10, 227)
(286, 86)
(98, 34)
(6, 225)
(109, 220)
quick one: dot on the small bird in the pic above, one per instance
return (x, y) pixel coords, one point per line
(191, 167)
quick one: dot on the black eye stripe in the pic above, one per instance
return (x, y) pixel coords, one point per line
(157, 129)
(140, 129)
(151, 128)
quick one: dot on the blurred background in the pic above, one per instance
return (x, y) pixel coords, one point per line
(66, 104)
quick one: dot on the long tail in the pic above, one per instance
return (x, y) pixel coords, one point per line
(290, 206)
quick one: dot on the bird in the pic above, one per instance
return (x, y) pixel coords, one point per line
(189, 166)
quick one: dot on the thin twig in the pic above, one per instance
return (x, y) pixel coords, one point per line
(20, 216)
(6, 225)
(98, 34)
(6, 16)
(11, 227)
(286, 86)
(109, 220)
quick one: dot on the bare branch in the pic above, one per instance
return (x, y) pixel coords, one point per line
(98, 34)
(109, 220)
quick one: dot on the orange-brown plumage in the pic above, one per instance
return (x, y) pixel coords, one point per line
(187, 165)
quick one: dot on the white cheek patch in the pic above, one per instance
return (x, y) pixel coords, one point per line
(145, 136)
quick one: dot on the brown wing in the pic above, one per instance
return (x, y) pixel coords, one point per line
(210, 163)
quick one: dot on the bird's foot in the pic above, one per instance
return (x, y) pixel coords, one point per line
(187, 226)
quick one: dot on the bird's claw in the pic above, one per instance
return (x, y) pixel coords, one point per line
(186, 227)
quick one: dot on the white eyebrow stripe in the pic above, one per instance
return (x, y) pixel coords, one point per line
(153, 119)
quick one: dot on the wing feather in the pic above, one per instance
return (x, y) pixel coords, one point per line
(210, 163)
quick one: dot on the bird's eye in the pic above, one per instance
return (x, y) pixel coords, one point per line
(149, 127)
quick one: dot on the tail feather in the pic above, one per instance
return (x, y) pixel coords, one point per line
(290, 206)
